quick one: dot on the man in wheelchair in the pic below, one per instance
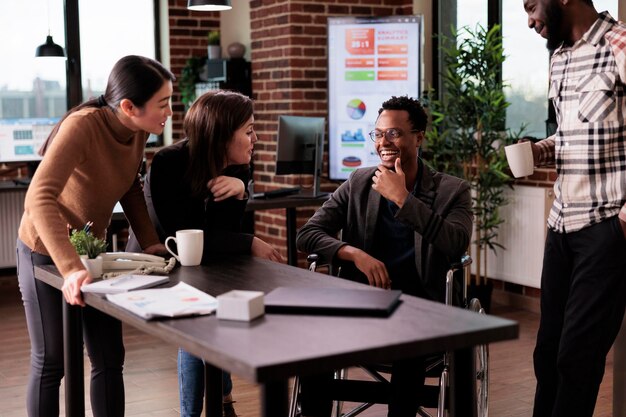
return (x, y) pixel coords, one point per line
(402, 225)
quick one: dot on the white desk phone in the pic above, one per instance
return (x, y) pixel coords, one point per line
(129, 260)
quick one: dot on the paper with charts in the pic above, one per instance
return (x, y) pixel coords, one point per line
(179, 300)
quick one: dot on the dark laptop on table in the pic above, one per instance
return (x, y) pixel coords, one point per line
(332, 301)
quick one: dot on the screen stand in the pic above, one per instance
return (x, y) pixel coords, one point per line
(318, 163)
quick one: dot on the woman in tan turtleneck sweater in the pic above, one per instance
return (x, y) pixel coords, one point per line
(91, 161)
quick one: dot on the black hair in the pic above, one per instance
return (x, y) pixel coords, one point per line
(417, 114)
(210, 125)
(133, 77)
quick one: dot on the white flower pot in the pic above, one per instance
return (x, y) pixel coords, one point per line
(214, 51)
(93, 266)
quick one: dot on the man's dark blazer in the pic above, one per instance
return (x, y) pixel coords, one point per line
(441, 216)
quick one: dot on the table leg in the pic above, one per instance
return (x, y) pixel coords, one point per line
(212, 390)
(462, 389)
(292, 252)
(73, 360)
(619, 373)
(274, 399)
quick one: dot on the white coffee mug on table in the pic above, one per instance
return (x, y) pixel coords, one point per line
(520, 158)
(190, 243)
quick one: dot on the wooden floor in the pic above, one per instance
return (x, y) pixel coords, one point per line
(150, 370)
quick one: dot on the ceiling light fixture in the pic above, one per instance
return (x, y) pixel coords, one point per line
(209, 5)
(49, 49)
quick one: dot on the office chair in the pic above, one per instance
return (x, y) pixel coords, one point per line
(471, 364)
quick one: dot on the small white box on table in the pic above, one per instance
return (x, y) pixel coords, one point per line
(240, 305)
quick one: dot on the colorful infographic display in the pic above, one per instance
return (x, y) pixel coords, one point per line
(369, 60)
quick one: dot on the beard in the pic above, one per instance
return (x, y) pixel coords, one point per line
(554, 18)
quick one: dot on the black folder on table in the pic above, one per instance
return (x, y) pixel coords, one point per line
(332, 301)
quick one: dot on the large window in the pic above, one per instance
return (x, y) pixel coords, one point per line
(33, 92)
(471, 13)
(525, 70)
(525, 73)
(31, 87)
(102, 44)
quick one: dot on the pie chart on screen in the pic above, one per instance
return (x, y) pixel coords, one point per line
(356, 109)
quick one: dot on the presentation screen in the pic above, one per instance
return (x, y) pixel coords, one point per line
(20, 139)
(369, 60)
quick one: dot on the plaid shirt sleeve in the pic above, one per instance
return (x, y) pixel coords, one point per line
(546, 151)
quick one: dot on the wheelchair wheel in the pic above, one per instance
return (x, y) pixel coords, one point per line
(481, 369)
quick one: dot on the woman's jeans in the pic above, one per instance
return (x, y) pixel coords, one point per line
(191, 384)
(102, 335)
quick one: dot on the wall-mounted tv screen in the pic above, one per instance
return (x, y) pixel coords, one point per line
(20, 139)
(369, 60)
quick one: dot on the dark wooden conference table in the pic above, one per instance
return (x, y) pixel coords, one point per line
(275, 347)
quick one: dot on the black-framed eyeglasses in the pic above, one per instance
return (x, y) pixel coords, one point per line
(392, 135)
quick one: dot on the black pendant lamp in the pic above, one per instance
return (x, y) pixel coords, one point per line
(209, 5)
(49, 49)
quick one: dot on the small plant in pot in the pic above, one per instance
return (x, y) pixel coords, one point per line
(89, 247)
(214, 49)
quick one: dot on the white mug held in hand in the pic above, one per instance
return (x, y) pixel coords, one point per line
(520, 157)
(190, 243)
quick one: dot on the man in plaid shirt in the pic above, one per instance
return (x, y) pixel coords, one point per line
(583, 283)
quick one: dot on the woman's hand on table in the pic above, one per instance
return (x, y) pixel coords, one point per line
(264, 250)
(71, 287)
(156, 249)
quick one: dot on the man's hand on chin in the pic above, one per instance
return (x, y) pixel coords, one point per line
(390, 184)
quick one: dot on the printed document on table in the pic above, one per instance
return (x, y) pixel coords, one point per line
(124, 283)
(180, 300)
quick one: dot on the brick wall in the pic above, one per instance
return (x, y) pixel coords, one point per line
(289, 76)
(188, 38)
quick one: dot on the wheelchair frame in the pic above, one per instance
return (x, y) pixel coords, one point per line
(479, 359)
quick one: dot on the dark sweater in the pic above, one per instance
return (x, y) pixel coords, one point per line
(172, 205)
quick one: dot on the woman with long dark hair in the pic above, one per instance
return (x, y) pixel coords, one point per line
(200, 183)
(91, 161)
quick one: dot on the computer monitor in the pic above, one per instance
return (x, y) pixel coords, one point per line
(300, 148)
(20, 139)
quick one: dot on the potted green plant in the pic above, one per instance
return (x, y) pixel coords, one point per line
(89, 247)
(189, 76)
(468, 135)
(214, 49)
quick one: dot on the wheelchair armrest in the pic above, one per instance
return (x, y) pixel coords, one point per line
(315, 261)
(314, 257)
(465, 261)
